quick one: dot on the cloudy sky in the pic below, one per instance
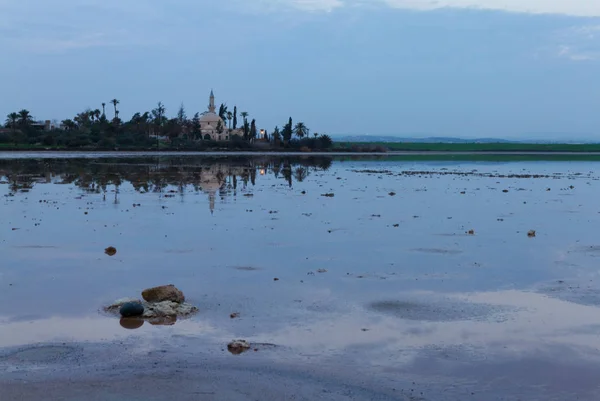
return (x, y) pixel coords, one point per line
(470, 68)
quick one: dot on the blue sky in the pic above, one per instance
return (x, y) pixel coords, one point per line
(470, 68)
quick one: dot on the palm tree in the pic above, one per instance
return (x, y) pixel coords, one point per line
(97, 114)
(11, 120)
(103, 108)
(244, 115)
(229, 118)
(115, 102)
(300, 130)
(25, 118)
(69, 124)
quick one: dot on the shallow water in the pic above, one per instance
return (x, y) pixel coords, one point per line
(383, 278)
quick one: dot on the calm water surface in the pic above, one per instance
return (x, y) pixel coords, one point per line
(382, 277)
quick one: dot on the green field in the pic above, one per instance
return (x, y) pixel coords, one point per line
(474, 147)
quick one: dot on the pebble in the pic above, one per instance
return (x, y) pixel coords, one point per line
(131, 309)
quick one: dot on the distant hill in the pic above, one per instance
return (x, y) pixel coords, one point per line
(441, 139)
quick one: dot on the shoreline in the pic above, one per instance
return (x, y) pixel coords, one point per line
(5, 154)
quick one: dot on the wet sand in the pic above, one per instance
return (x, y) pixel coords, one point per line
(383, 290)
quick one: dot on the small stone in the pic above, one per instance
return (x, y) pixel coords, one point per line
(131, 309)
(110, 251)
(236, 347)
(163, 293)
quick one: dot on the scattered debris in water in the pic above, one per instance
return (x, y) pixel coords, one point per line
(110, 251)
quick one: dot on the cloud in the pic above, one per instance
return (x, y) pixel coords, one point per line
(569, 53)
(584, 8)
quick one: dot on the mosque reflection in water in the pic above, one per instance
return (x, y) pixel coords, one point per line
(167, 176)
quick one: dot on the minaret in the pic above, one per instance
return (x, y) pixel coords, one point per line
(211, 105)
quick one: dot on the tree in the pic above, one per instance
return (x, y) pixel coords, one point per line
(253, 130)
(223, 112)
(69, 125)
(158, 113)
(196, 132)
(244, 115)
(229, 118)
(288, 131)
(276, 135)
(326, 141)
(181, 116)
(11, 120)
(234, 117)
(97, 114)
(115, 102)
(246, 130)
(25, 118)
(220, 127)
(103, 109)
(300, 130)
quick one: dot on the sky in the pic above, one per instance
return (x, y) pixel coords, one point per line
(519, 69)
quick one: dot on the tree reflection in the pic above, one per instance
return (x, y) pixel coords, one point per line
(160, 175)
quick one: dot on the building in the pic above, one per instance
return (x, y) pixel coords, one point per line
(212, 125)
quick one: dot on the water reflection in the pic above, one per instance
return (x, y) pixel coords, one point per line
(218, 177)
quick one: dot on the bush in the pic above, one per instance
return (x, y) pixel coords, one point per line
(48, 140)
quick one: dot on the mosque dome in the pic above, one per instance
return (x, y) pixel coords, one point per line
(211, 118)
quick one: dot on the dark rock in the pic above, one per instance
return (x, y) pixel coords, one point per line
(131, 309)
(110, 251)
(236, 347)
(163, 293)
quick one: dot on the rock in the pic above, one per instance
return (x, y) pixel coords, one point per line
(163, 293)
(130, 309)
(168, 308)
(110, 251)
(165, 312)
(236, 347)
(531, 233)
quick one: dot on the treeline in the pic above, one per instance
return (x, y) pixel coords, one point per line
(92, 129)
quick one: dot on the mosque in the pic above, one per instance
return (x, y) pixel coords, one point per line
(209, 124)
